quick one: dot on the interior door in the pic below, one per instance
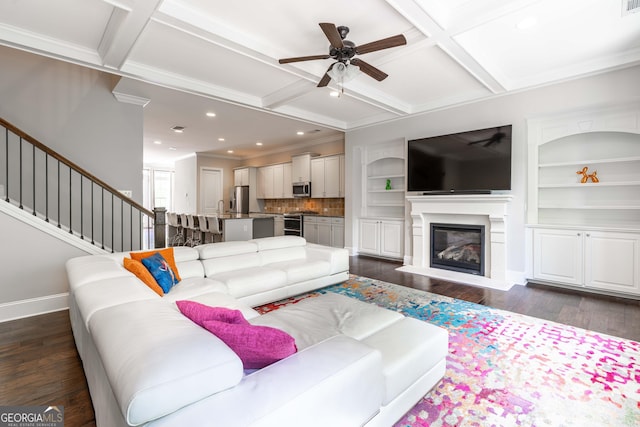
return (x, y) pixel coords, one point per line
(210, 190)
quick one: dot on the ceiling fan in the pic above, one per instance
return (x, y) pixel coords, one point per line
(343, 51)
(496, 138)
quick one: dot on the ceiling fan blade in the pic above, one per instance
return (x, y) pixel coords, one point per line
(326, 78)
(369, 69)
(303, 58)
(332, 34)
(392, 41)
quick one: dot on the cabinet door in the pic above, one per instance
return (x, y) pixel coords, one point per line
(278, 181)
(241, 176)
(337, 235)
(324, 231)
(332, 176)
(310, 229)
(261, 189)
(341, 176)
(301, 168)
(558, 255)
(317, 178)
(391, 239)
(278, 226)
(612, 261)
(287, 183)
(369, 237)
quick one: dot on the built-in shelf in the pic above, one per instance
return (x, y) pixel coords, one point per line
(585, 234)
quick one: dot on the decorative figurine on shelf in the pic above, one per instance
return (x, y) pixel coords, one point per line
(588, 176)
(388, 187)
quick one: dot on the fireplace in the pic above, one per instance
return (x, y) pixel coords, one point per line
(458, 247)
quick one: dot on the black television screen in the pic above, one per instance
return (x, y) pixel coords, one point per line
(474, 161)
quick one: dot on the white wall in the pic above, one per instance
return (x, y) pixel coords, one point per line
(608, 89)
(185, 185)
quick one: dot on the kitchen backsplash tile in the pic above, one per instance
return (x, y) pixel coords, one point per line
(329, 207)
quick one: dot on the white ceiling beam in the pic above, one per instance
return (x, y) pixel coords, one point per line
(123, 30)
(419, 18)
(288, 93)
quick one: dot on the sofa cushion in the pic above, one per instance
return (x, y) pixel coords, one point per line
(317, 318)
(223, 299)
(257, 346)
(167, 254)
(194, 286)
(252, 280)
(279, 242)
(141, 272)
(282, 254)
(161, 271)
(225, 249)
(87, 269)
(199, 313)
(158, 361)
(233, 263)
(410, 348)
(298, 272)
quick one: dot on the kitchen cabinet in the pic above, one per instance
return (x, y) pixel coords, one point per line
(327, 176)
(249, 176)
(274, 182)
(278, 225)
(287, 183)
(324, 230)
(594, 259)
(301, 168)
(382, 237)
(241, 176)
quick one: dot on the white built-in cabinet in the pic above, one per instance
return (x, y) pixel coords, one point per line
(382, 237)
(327, 177)
(586, 234)
(381, 223)
(274, 182)
(301, 168)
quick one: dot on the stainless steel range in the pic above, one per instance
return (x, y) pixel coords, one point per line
(294, 222)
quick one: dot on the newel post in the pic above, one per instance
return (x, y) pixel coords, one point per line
(159, 227)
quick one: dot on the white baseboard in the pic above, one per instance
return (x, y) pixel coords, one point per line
(34, 306)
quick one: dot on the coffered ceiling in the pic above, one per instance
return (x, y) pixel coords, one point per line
(222, 56)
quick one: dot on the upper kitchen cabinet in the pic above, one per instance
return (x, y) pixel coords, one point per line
(327, 177)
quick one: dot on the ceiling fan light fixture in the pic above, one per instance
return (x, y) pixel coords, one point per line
(342, 72)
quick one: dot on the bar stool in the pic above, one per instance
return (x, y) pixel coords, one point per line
(211, 226)
(174, 221)
(192, 225)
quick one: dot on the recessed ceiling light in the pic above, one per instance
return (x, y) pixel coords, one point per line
(258, 143)
(178, 129)
(157, 142)
(300, 132)
(211, 114)
(526, 23)
(334, 94)
(172, 148)
(221, 139)
(229, 151)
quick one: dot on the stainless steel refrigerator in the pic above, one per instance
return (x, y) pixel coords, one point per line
(240, 199)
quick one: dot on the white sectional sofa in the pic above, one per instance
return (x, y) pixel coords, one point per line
(147, 364)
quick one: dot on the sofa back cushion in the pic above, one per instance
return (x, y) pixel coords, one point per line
(158, 361)
(213, 266)
(278, 242)
(271, 256)
(225, 249)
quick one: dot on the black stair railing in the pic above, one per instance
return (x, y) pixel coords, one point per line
(51, 187)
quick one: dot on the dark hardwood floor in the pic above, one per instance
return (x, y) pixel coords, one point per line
(39, 364)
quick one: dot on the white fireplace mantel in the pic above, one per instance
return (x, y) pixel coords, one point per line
(490, 210)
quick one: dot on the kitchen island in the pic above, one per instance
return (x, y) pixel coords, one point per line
(238, 227)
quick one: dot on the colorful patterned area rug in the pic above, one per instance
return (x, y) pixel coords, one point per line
(508, 369)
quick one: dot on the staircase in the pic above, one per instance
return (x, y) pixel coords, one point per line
(54, 190)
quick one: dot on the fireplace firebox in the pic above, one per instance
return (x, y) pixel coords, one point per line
(458, 247)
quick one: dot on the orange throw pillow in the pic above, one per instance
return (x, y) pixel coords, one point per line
(141, 272)
(166, 253)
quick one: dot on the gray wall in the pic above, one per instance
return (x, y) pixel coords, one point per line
(71, 110)
(607, 89)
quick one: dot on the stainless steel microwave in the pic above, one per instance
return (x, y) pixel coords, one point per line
(301, 189)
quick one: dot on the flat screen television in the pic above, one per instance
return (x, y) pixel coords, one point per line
(477, 161)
